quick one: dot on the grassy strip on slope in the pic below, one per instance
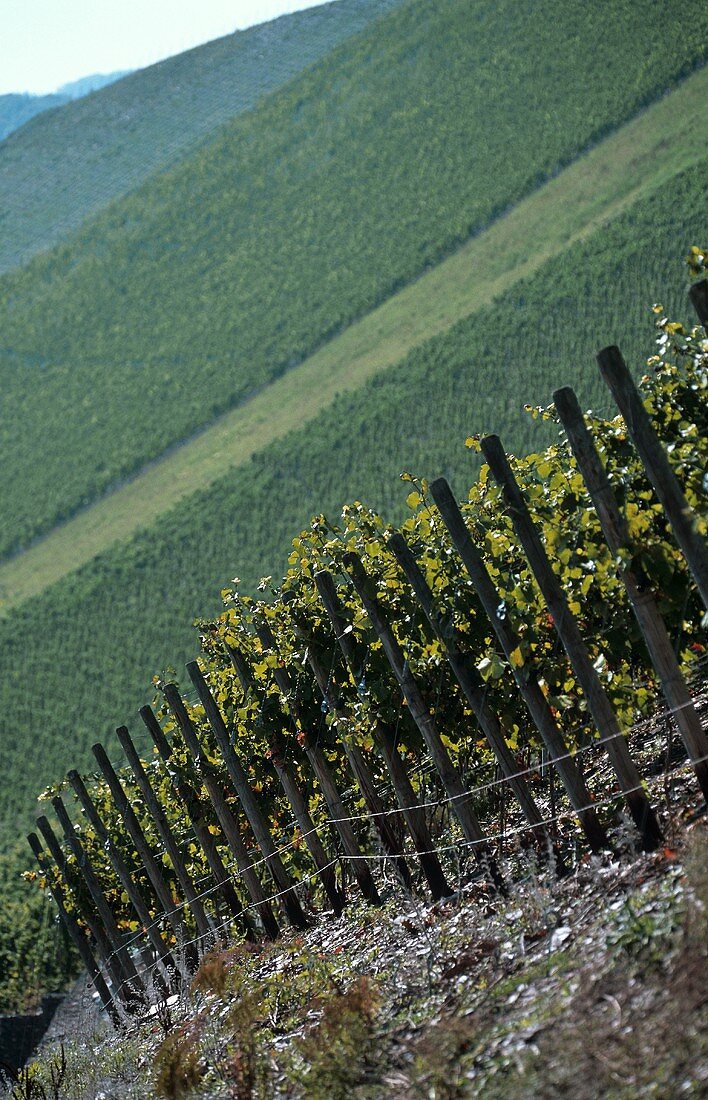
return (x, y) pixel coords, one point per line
(664, 139)
(69, 166)
(187, 297)
(78, 661)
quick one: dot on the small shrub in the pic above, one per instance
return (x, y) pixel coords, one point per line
(177, 1066)
(340, 1051)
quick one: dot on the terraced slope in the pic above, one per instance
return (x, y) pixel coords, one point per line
(228, 270)
(667, 137)
(78, 661)
(65, 168)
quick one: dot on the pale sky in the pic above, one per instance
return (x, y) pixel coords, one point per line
(46, 43)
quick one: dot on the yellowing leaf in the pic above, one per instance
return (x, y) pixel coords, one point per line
(516, 657)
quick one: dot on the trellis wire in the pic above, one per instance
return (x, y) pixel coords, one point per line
(456, 845)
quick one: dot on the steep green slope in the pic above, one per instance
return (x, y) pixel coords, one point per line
(78, 662)
(64, 169)
(634, 160)
(229, 269)
(16, 110)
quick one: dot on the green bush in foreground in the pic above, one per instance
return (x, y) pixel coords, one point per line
(35, 952)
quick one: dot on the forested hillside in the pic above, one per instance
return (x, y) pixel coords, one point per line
(225, 271)
(79, 661)
(66, 168)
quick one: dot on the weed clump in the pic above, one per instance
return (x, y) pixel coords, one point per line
(177, 1065)
(340, 1052)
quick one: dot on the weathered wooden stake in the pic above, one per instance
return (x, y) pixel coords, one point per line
(566, 627)
(286, 775)
(127, 881)
(147, 858)
(460, 797)
(385, 741)
(323, 774)
(638, 586)
(108, 959)
(214, 783)
(164, 831)
(78, 938)
(525, 676)
(136, 994)
(678, 511)
(471, 683)
(699, 297)
(283, 881)
(390, 837)
(197, 814)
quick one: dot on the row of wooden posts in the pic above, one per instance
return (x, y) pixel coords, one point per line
(116, 972)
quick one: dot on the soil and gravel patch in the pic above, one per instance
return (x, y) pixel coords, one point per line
(592, 984)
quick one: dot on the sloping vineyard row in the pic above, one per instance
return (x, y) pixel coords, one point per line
(322, 701)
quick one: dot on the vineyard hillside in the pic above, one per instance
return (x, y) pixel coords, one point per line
(629, 164)
(382, 660)
(224, 272)
(79, 660)
(68, 166)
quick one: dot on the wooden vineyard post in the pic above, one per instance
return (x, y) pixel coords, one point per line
(198, 818)
(127, 881)
(385, 740)
(389, 837)
(216, 791)
(566, 627)
(283, 882)
(323, 774)
(525, 677)
(164, 831)
(136, 993)
(288, 781)
(147, 858)
(78, 938)
(699, 297)
(678, 511)
(460, 797)
(471, 683)
(639, 592)
(107, 957)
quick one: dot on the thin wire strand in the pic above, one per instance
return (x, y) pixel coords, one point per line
(458, 844)
(430, 804)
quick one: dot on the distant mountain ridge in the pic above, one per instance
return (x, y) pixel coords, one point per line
(75, 89)
(17, 108)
